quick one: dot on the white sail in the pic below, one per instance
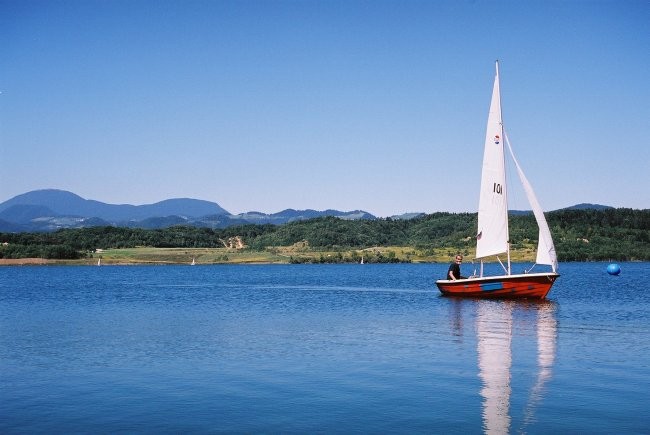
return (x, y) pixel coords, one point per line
(492, 234)
(545, 248)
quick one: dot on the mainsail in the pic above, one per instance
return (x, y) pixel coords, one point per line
(492, 234)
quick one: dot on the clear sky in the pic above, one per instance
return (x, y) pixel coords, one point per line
(373, 105)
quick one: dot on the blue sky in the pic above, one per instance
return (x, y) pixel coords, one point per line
(373, 105)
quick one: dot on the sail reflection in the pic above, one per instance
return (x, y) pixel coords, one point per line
(494, 332)
(546, 349)
(494, 339)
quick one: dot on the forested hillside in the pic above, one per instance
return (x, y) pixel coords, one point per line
(580, 235)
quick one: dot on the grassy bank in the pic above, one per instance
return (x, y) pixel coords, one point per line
(271, 255)
(275, 255)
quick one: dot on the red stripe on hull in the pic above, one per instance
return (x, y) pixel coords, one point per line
(531, 286)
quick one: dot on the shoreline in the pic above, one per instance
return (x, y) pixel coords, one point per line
(24, 261)
(8, 262)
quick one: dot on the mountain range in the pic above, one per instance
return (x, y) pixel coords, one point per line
(51, 209)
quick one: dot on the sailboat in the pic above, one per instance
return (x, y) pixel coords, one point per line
(492, 238)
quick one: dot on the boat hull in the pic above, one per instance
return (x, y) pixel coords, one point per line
(526, 286)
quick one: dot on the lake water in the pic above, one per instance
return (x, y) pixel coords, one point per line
(318, 348)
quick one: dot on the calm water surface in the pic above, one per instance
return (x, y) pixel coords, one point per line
(318, 348)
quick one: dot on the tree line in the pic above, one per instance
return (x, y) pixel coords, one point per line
(579, 235)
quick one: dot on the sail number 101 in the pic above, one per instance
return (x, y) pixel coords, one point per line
(497, 188)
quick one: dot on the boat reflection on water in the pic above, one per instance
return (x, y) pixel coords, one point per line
(493, 342)
(546, 349)
(495, 321)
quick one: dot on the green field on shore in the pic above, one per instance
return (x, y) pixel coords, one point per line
(279, 255)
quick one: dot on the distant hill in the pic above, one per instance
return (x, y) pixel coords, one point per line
(587, 206)
(582, 206)
(25, 212)
(9, 227)
(51, 209)
(408, 216)
(63, 203)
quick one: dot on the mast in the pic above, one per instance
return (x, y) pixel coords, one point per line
(505, 174)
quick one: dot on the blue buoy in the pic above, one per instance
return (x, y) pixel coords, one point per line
(613, 269)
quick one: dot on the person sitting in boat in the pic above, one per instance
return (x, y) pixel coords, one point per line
(454, 269)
